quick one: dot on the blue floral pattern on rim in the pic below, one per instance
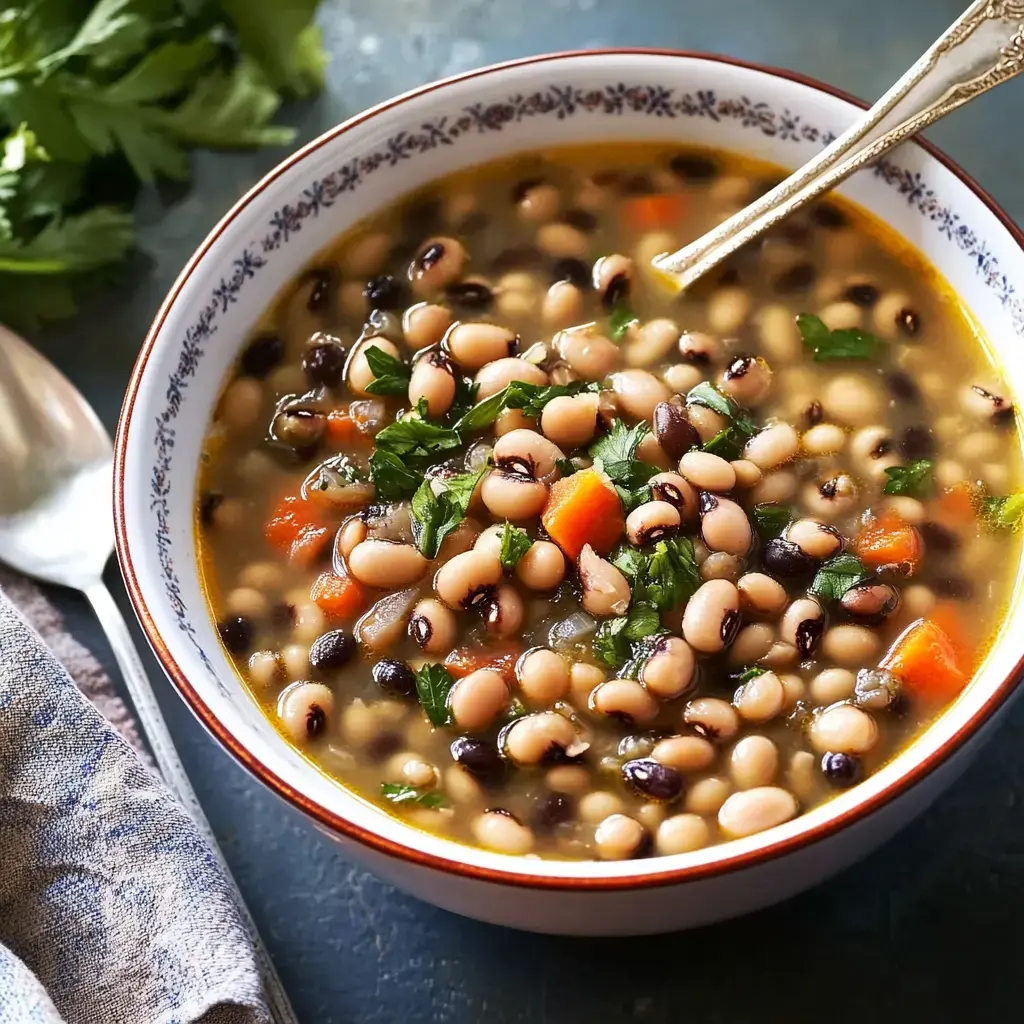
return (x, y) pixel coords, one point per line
(560, 102)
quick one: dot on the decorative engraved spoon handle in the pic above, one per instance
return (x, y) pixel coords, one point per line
(980, 50)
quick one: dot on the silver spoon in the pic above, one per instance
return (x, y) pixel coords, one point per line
(56, 524)
(981, 49)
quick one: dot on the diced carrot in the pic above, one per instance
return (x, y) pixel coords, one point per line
(341, 597)
(926, 661)
(297, 528)
(889, 540)
(343, 431)
(654, 212)
(949, 618)
(583, 509)
(500, 657)
(957, 504)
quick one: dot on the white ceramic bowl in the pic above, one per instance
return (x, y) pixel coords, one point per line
(368, 162)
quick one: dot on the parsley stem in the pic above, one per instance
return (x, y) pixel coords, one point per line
(9, 266)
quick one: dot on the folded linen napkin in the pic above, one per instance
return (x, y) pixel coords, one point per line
(112, 908)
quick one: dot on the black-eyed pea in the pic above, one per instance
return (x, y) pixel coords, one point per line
(308, 621)
(888, 311)
(706, 422)
(352, 300)
(873, 451)
(468, 579)
(638, 392)
(365, 255)
(841, 316)
(425, 324)
(752, 643)
(832, 685)
(495, 375)
(753, 762)
(910, 510)
(685, 753)
(513, 496)
(853, 400)
(542, 567)
(474, 345)
(433, 381)
(650, 522)
(673, 430)
(651, 814)
(706, 796)
(651, 342)
(385, 564)
(489, 540)
(624, 700)
(228, 514)
(250, 603)
(917, 600)
(816, 539)
(803, 777)
(778, 333)
(761, 594)
(583, 680)
(567, 778)
(830, 497)
(562, 240)
(265, 669)
(543, 677)
(543, 736)
(823, 439)
(512, 419)
(746, 379)
(981, 403)
(351, 534)
(724, 525)
(358, 374)
(760, 699)
(461, 787)
(682, 377)
(613, 279)
(720, 565)
(527, 454)
(503, 611)
(620, 837)
(793, 690)
(699, 349)
(851, 646)
(651, 245)
(606, 590)
(948, 473)
(410, 768)
(773, 446)
(539, 204)
(241, 404)
(707, 471)
(748, 474)
(728, 309)
(649, 450)
(682, 833)
(669, 670)
(304, 710)
(754, 810)
(475, 700)
(437, 263)
(780, 655)
(597, 805)
(712, 718)
(843, 729)
(776, 487)
(295, 658)
(562, 306)
(432, 626)
(678, 492)
(711, 619)
(871, 602)
(501, 831)
(462, 538)
(570, 421)
(802, 625)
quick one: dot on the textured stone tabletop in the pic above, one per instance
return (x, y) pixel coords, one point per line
(928, 928)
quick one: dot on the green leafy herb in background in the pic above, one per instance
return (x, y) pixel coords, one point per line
(530, 398)
(914, 480)
(393, 480)
(434, 516)
(827, 346)
(727, 443)
(615, 638)
(403, 793)
(433, 684)
(390, 375)
(750, 672)
(90, 89)
(514, 544)
(620, 320)
(771, 519)
(663, 579)
(1003, 513)
(837, 576)
(617, 454)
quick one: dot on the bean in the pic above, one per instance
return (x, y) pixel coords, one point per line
(539, 204)
(830, 497)
(802, 625)
(708, 472)
(753, 762)
(304, 710)
(567, 778)
(752, 643)
(512, 496)
(241, 403)
(823, 439)
(711, 619)
(425, 324)
(461, 539)
(476, 699)
(512, 419)
(918, 600)
(651, 343)
(727, 309)
(623, 699)
(815, 539)
(385, 564)
(613, 277)
(852, 400)
(778, 333)
(527, 454)
(652, 780)
(678, 492)
(639, 392)
(619, 837)
(780, 655)
(747, 474)
(542, 567)
(570, 421)
(588, 353)
(682, 833)
(351, 301)
(681, 377)
(802, 776)
(606, 590)
(910, 510)
(674, 432)
(296, 660)
(760, 699)
(873, 452)
(433, 380)
(724, 525)
(495, 375)
(985, 405)
(543, 677)
(706, 422)
(760, 593)
(754, 810)
(437, 263)
(480, 759)
(359, 376)
(559, 239)
(650, 452)
(832, 685)
(719, 565)
(562, 306)
(685, 753)
(706, 796)
(651, 522)
(265, 669)
(351, 534)
(474, 345)
(544, 736)
(843, 728)
(583, 679)
(775, 487)
(249, 602)
(746, 379)
(668, 672)
(773, 446)
(332, 650)
(501, 831)
(793, 690)
(468, 578)
(432, 626)
(594, 807)
(850, 646)
(503, 611)
(871, 602)
(712, 718)
(308, 621)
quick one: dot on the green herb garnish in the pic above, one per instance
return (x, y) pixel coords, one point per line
(464, 400)
(391, 375)
(414, 440)
(663, 579)
(1003, 513)
(514, 544)
(516, 709)
(771, 519)
(434, 516)
(750, 672)
(828, 346)
(402, 793)
(914, 480)
(433, 684)
(566, 467)
(530, 398)
(620, 320)
(613, 642)
(393, 480)
(632, 499)
(728, 443)
(836, 577)
(617, 454)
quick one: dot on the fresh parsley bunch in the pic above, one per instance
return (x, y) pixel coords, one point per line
(89, 87)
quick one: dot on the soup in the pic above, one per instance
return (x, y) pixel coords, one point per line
(510, 539)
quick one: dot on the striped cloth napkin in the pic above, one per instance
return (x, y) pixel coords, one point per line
(112, 908)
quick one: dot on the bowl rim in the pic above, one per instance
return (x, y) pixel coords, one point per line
(407, 852)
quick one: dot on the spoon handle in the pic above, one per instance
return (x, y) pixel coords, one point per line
(173, 772)
(982, 49)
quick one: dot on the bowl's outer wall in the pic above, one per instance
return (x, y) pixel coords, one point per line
(260, 246)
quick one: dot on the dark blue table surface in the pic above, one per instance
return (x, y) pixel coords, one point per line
(926, 928)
